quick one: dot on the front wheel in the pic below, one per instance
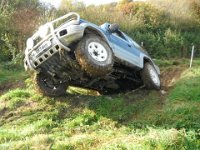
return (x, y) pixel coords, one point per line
(94, 55)
(49, 87)
(150, 77)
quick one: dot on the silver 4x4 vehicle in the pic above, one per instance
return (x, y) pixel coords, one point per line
(72, 51)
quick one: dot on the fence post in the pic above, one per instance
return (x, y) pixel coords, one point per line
(142, 44)
(192, 55)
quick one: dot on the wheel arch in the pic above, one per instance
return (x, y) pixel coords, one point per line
(93, 30)
(146, 59)
(149, 60)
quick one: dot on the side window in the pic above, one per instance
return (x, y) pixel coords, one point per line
(120, 34)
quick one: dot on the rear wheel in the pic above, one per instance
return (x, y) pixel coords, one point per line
(94, 55)
(150, 77)
(49, 87)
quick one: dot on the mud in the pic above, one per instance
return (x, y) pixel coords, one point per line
(11, 85)
(170, 76)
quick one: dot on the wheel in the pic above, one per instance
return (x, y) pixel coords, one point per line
(49, 87)
(94, 55)
(150, 77)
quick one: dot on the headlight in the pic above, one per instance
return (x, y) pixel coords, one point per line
(43, 31)
(30, 43)
(34, 54)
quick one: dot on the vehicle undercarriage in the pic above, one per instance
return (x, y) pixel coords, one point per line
(64, 68)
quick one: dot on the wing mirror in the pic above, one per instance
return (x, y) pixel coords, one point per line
(113, 27)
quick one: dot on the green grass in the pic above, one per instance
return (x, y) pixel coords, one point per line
(136, 120)
(187, 89)
(11, 73)
(171, 62)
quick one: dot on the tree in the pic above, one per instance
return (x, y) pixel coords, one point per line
(18, 21)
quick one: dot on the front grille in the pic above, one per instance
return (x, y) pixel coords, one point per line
(42, 58)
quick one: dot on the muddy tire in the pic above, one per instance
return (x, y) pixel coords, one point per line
(150, 77)
(94, 55)
(47, 86)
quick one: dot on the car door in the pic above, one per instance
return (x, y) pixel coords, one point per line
(124, 49)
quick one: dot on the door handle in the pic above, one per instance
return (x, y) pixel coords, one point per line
(129, 45)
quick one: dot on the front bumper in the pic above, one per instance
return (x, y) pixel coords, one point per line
(52, 44)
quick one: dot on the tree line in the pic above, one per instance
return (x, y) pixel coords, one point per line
(167, 28)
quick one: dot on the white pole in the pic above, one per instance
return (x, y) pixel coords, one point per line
(142, 44)
(192, 55)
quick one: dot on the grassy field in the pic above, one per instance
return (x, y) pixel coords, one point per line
(135, 120)
(11, 76)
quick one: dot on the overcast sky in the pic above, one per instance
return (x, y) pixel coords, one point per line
(97, 2)
(57, 3)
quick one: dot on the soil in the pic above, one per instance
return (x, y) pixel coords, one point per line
(11, 85)
(170, 76)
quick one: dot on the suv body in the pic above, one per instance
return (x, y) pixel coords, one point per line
(78, 44)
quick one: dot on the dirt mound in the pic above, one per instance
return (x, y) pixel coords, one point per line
(170, 75)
